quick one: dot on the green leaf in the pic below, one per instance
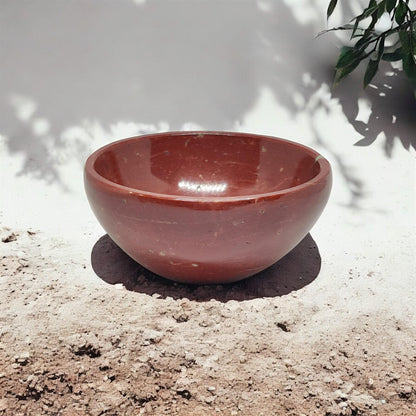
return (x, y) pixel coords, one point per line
(381, 9)
(374, 18)
(347, 56)
(341, 73)
(332, 29)
(364, 41)
(390, 4)
(331, 8)
(400, 12)
(409, 65)
(368, 41)
(393, 56)
(372, 66)
(355, 28)
(360, 33)
(371, 70)
(372, 7)
(381, 48)
(406, 41)
(368, 12)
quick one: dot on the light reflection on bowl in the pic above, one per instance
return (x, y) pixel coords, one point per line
(202, 187)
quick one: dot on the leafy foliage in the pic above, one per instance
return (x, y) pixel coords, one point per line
(370, 44)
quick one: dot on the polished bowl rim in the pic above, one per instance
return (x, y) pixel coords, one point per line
(113, 187)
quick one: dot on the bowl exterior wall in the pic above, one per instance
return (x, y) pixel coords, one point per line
(207, 242)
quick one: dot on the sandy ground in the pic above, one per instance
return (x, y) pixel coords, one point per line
(329, 330)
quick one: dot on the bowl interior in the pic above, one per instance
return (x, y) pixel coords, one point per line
(207, 164)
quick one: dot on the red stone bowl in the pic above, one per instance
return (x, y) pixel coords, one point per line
(206, 207)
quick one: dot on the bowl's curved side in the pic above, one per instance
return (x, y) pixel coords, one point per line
(211, 242)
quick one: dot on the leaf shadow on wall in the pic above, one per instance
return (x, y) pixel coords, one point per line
(392, 117)
(90, 65)
(297, 78)
(296, 270)
(390, 98)
(95, 64)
